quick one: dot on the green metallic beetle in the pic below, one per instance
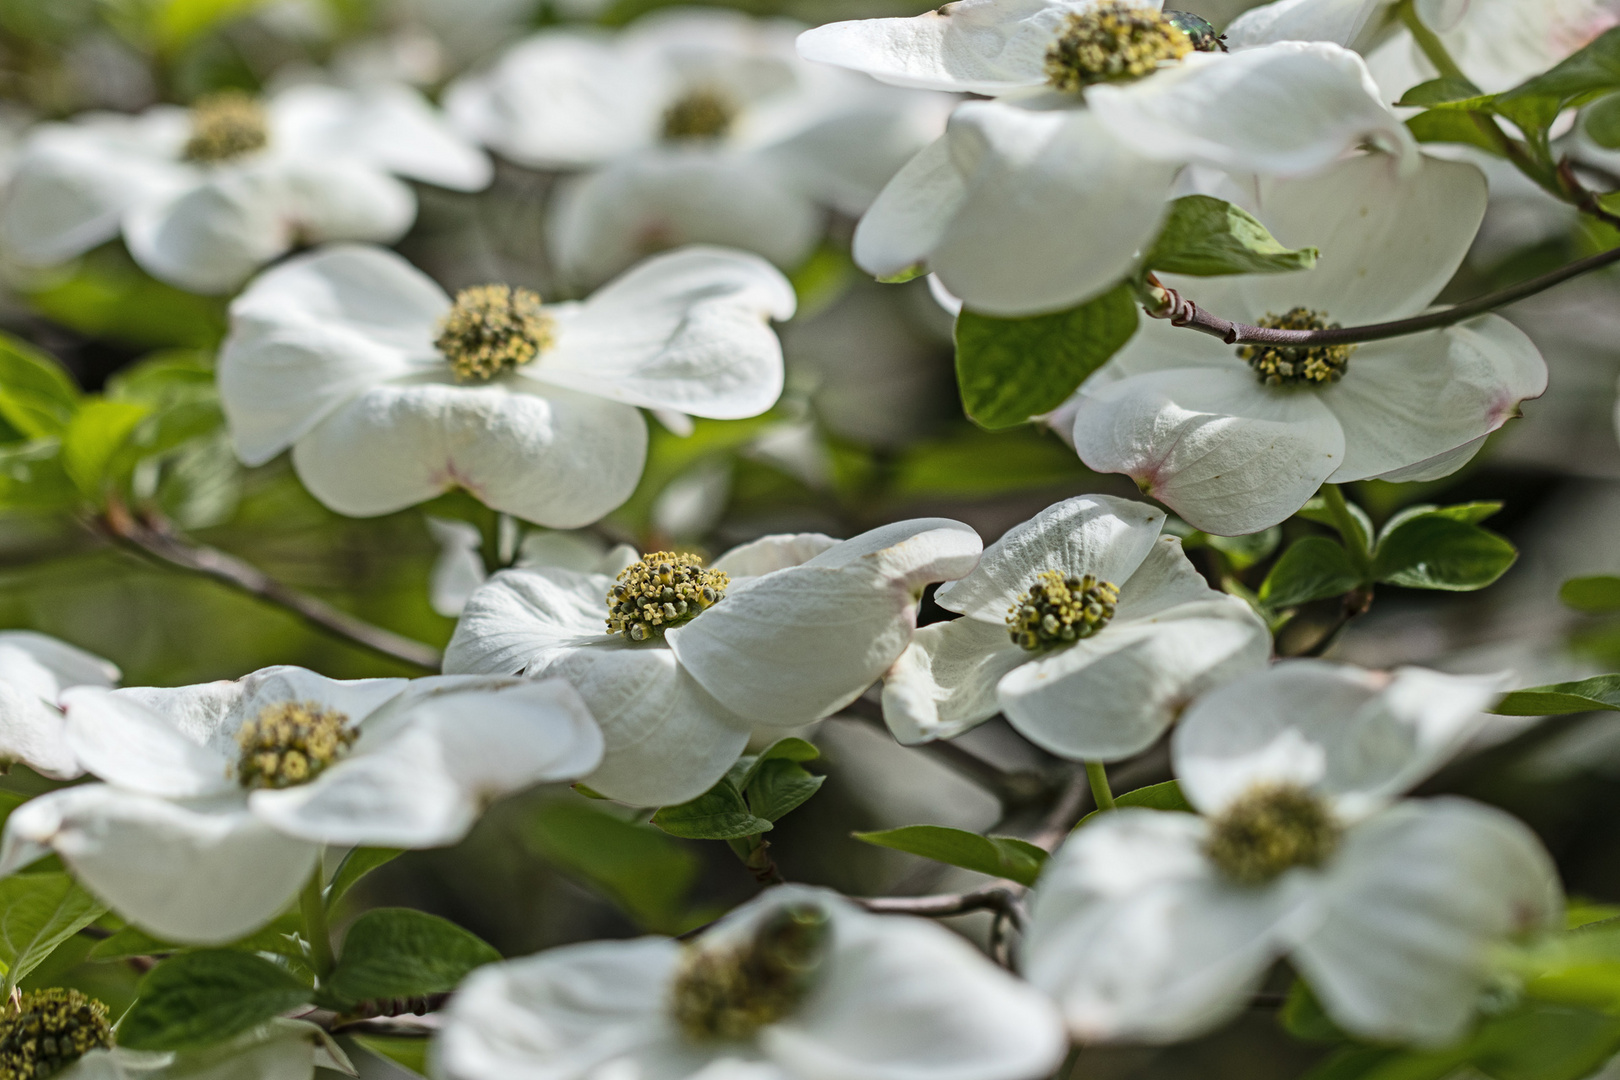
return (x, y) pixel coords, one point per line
(1198, 31)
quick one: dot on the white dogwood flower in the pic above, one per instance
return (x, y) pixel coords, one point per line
(680, 662)
(1156, 926)
(694, 125)
(1084, 627)
(390, 393)
(1497, 43)
(217, 798)
(1044, 199)
(1235, 439)
(205, 196)
(34, 670)
(799, 984)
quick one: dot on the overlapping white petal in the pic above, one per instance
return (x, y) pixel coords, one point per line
(333, 354)
(892, 999)
(35, 670)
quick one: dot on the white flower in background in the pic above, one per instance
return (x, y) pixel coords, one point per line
(389, 393)
(34, 670)
(1236, 439)
(459, 570)
(1156, 926)
(1084, 627)
(695, 125)
(204, 197)
(279, 1050)
(1497, 43)
(799, 984)
(776, 633)
(218, 797)
(1044, 200)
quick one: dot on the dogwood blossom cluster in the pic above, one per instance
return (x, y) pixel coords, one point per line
(1207, 270)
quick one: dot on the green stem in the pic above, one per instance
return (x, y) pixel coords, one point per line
(312, 902)
(1100, 791)
(1349, 528)
(755, 853)
(1427, 40)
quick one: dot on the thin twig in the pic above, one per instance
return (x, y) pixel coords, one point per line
(998, 897)
(1181, 311)
(157, 542)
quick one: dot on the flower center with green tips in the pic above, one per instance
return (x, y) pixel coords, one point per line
(1269, 829)
(1058, 610)
(701, 113)
(1113, 42)
(1291, 365)
(45, 1031)
(662, 590)
(226, 126)
(725, 994)
(493, 327)
(291, 743)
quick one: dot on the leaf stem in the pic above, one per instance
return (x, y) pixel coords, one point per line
(1355, 541)
(156, 541)
(1101, 793)
(312, 903)
(1434, 50)
(755, 853)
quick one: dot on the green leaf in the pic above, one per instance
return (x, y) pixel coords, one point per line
(176, 23)
(975, 463)
(1445, 126)
(1433, 551)
(95, 435)
(1468, 513)
(405, 1052)
(1439, 92)
(401, 953)
(36, 395)
(1165, 796)
(1316, 509)
(1602, 122)
(1601, 692)
(1208, 237)
(1012, 369)
(789, 749)
(999, 856)
(644, 871)
(1302, 1016)
(199, 998)
(1596, 595)
(32, 477)
(130, 941)
(1537, 1042)
(37, 913)
(1243, 552)
(356, 865)
(1585, 75)
(778, 787)
(1311, 569)
(718, 814)
(109, 297)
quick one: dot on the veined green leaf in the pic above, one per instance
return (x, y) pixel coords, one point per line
(200, 998)
(1207, 237)
(37, 913)
(999, 856)
(1601, 692)
(400, 953)
(1313, 568)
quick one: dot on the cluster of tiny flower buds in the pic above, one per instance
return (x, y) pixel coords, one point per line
(224, 126)
(493, 327)
(45, 1031)
(701, 113)
(1287, 365)
(662, 590)
(291, 743)
(728, 993)
(1057, 610)
(1113, 42)
(1269, 829)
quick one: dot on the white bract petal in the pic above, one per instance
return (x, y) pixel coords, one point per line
(1137, 936)
(1338, 21)
(551, 456)
(945, 682)
(800, 643)
(1415, 901)
(427, 764)
(770, 553)
(1287, 108)
(1357, 738)
(519, 617)
(689, 330)
(34, 671)
(1092, 534)
(385, 125)
(1213, 445)
(126, 742)
(201, 872)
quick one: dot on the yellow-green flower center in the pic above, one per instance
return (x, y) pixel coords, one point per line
(662, 590)
(226, 126)
(1058, 610)
(47, 1030)
(492, 327)
(701, 113)
(1113, 42)
(729, 993)
(291, 743)
(1269, 829)
(1287, 365)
